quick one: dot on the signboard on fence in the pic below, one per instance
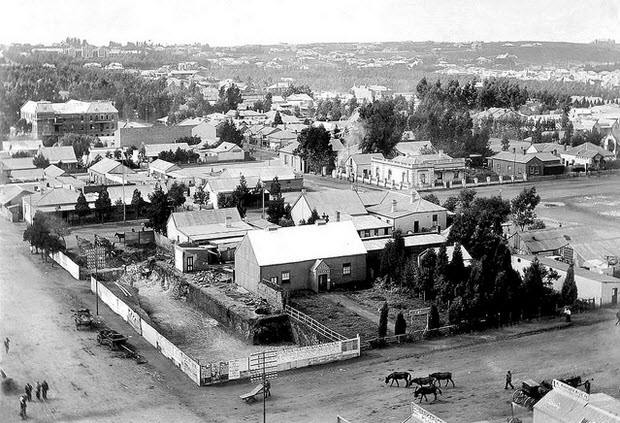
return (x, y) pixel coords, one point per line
(134, 320)
(95, 258)
(570, 391)
(420, 311)
(234, 369)
(139, 238)
(263, 365)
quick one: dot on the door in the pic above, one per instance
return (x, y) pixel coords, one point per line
(614, 296)
(416, 227)
(190, 264)
(322, 283)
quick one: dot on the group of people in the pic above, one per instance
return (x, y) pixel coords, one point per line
(40, 392)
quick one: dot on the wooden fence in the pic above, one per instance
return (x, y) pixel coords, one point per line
(313, 324)
(407, 337)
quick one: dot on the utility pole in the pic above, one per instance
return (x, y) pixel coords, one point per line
(264, 367)
(124, 202)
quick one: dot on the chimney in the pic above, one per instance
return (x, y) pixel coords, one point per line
(394, 202)
(337, 216)
(228, 221)
(414, 196)
(303, 191)
(514, 149)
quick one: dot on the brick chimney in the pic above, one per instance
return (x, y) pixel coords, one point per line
(337, 216)
(228, 221)
(394, 202)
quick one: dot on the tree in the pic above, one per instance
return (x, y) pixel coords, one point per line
(433, 318)
(505, 143)
(393, 258)
(229, 98)
(276, 210)
(277, 119)
(228, 132)
(383, 320)
(189, 140)
(81, 143)
(400, 326)
(569, 287)
(315, 149)
(81, 206)
(383, 127)
(241, 196)
(20, 154)
(45, 233)
(40, 161)
(159, 210)
(522, 207)
(432, 198)
(201, 196)
(137, 202)
(103, 204)
(314, 216)
(534, 287)
(426, 280)
(176, 194)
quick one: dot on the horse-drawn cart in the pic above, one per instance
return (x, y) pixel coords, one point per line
(111, 338)
(83, 319)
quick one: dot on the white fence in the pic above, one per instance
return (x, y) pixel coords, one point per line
(66, 263)
(222, 371)
(184, 362)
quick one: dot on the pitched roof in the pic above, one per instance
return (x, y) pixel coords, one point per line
(204, 217)
(17, 163)
(412, 148)
(332, 201)
(226, 146)
(64, 154)
(282, 135)
(25, 175)
(524, 158)
(289, 148)
(10, 192)
(367, 221)
(304, 243)
(104, 165)
(413, 240)
(543, 240)
(56, 196)
(405, 205)
(336, 144)
(265, 173)
(361, 159)
(53, 171)
(70, 107)
(588, 150)
(162, 166)
(546, 147)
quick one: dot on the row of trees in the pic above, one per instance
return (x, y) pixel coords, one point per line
(179, 156)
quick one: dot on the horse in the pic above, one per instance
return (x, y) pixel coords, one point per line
(421, 381)
(439, 376)
(422, 391)
(395, 376)
(120, 235)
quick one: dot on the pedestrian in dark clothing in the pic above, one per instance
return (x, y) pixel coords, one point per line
(22, 407)
(7, 343)
(508, 381)
(28, 390)
(38, 390)
(44, 388)
(587, 386)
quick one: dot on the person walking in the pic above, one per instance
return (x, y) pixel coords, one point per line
(38, 390)
(508, 380)
(44, 388)
(7, 343)
(22, 407)
(587, 386)
(567, 313)
(28, 389)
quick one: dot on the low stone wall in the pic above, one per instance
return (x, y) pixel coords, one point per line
(273, 294)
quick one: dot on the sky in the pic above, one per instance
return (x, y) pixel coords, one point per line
(239, 22)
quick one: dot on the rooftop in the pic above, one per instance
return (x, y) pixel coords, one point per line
(332, 201)
(204, 217)
(413, 240)
(64, 154)
(524, 158)
(404, 205)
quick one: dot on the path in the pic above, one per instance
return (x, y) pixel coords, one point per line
(356, 308)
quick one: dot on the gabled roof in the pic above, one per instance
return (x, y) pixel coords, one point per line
(267, 130)
(191, 121)
(204, 217)
(25, 175)
(524, 158)
(282, 135)
(413, 148)
(336, 144)
(162, 166)
(17, 163)
(10, 192)
(289, 148)
(265, 173)
(104, 166)
(226, 146)
(56, 196)
(64, 154)
(304, 243)
(332, 201)
(361, 159)
(588, 150)
(546, 147)
(53, 171)
(542, 240)
(70, 107)
(366, 222)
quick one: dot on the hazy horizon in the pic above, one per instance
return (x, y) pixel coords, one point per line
(271, 22)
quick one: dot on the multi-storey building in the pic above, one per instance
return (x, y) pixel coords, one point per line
(97, 118)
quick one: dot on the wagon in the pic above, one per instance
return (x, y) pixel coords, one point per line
(83, 319)
(111, 338)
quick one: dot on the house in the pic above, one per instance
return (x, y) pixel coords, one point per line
(414, 148)
(410, 213)
(11, 202)
(546, 147)
(367, 225)
(160, 168)
(206, 131)
(517, 165)
(566, 404)
(289, 158)
(28, 146)
(63, 156)
(303, 101)
(359, 164)
(320, 257)
(222, 229)
(101, 173)
(96, 118)
(603, 288)
(263, 133)
(418, 171)
(331, 203)
(225, 152)
(544, 242)
(587, 156)
(157, 134)
(514, 146)
(278, 139)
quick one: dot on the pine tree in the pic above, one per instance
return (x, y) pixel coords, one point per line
(81, 206)
(569, 287)
(103, 204)
(383, 320)
(400, 326)
(159, 210)
(137, 202)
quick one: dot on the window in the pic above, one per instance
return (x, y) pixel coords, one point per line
(434, 218)
(346, 269)
(274, 279)
(286, 277)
